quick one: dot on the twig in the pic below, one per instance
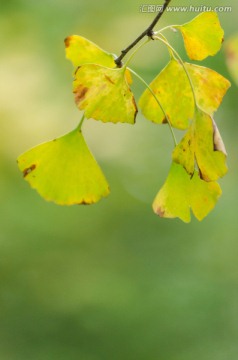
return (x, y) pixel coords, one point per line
(147, 32)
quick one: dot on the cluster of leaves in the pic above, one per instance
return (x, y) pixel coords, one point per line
(183, 95)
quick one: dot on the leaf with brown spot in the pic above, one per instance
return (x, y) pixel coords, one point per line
(181, 192)
(108, 97)
(173, 90)
(64, 171)
(198, 146)
(83, 51)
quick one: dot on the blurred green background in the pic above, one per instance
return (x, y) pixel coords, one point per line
(110, 281)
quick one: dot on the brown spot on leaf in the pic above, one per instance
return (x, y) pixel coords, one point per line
(28, 170)
(160, 212)
(80, 93)
(109, 79)
(164, 121)
(85, 202)
(136, 110)
(67, 41)
(202, 176)
(77, 69)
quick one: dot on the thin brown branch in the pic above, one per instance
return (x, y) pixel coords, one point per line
(148, 32)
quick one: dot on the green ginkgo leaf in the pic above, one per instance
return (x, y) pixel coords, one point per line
(104, 94)
(231, 50)
(64, 171)
(210, 87)
(202, 145)
(181, 192)
(173, 90)
(202, 36)
(82, 51)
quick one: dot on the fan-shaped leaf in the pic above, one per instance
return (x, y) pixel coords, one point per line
(209, 86)
(104, 94)
(202, 144)
(202, 36)
(181, 192)
(173, 90)
(211, 163)
(64, 171)
(82, 51)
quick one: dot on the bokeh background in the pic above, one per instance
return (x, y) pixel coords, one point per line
(112, 280)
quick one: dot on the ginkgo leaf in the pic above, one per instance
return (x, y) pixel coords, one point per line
(202, 36)
(64, 171)
(211, 163)
(172, 200)
(82, 51)
(210, 87)
(184, 152)
(176, 97)
(231, 50)
(173, 90)
(200, 145)
(181, 192)
(104, 94)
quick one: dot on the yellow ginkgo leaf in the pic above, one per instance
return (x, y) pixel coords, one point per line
(210, 87)
(211, 162)
(202, 144)
(173, 90)
(202, 36)
(80, 51)
(64, 171)
(231, 50)
(104, 94)
(181, 192)
(83, 51)
(203, 196)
